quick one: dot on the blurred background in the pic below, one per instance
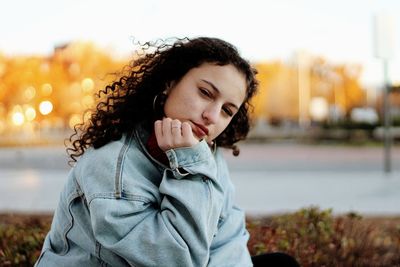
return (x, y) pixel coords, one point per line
(326, 119)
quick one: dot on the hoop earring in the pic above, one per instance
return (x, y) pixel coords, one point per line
(213, 147)
(160, 98)
(154, 102)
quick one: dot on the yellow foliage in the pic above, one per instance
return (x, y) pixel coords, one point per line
(77, 70)
(32, 80)
(278, 96)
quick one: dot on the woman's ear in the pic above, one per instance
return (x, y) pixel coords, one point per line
(168, 87)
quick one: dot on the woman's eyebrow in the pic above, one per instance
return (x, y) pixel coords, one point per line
(212, 85)
(218, 92)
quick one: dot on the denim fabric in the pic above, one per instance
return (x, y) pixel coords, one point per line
(121, 207)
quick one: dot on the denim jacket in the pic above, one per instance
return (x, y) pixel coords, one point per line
(121, 207)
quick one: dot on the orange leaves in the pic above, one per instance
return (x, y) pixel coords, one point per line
(280, 88)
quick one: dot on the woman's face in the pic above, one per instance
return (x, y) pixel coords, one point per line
(207, 97)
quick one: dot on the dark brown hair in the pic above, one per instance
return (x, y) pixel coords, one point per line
(129, 99)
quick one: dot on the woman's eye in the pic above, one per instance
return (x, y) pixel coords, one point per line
(228, 112)
(205, 92)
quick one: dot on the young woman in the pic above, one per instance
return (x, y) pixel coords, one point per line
(151, 187)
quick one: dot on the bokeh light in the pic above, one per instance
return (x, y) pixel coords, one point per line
(87, 85)
(18, 118)
(30, 113)
(45, 107)
(29, 93)
(47, 89)
(319, 108)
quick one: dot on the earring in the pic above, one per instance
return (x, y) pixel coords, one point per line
(213, 146)
(159, 101)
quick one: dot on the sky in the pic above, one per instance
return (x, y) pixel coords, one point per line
(263, 30)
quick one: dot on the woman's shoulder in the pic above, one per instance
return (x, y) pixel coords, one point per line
(221, 162)
(98, 168)
(105, 159)
(223, 171)
(103, 154)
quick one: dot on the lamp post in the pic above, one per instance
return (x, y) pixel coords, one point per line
(384, 49)
(387, 119)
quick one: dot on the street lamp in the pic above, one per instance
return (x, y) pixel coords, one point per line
(384, 50)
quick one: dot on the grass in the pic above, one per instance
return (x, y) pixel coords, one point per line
(314, 237)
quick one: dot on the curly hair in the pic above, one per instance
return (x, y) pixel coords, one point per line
(129, 99)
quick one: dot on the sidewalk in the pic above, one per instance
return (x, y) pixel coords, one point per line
(257, 192)
(268, 179)
(369, 193)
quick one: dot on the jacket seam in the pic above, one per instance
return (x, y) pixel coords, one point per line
(190, 164)
(127, 197)
(118, 171)
(70, 224)
(210, 198)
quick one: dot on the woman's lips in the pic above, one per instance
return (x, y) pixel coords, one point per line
(200, 130)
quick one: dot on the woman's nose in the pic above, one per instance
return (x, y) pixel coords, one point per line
(211, 114)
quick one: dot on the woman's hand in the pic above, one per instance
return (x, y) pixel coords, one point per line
(173, 134)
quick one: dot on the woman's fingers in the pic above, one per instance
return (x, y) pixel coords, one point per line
(173, 133)
(176, 128)
(166, 126)
(158, 130)
(186, 130)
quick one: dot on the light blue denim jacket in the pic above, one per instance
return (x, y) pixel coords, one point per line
(121, 207)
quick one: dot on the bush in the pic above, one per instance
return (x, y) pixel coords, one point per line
(314, 237)
(22, 238)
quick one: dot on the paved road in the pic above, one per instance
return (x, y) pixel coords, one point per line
(259, 157)
(269, 178)
(295, 157)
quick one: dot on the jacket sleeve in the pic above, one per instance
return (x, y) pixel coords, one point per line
(179, 231)
(229, 247)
